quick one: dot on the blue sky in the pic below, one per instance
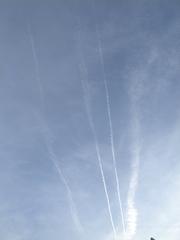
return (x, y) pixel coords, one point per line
(90, 121)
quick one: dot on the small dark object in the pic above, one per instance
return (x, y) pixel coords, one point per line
(152, 239)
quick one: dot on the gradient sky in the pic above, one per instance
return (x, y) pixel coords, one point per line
(69, 71)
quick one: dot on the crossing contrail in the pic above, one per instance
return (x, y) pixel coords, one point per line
(111, 129)
(132, 212)
(85, 86)
(48, 141)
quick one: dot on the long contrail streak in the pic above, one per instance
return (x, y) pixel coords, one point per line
(132, 212)
(85, 86)
(111, 129)
(46, 134)
(54, 160)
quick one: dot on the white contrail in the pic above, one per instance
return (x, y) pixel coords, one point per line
(36, 65)
(54, 160)
(46, 134)
(111, 130)
(132, 212)
(85, 86)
